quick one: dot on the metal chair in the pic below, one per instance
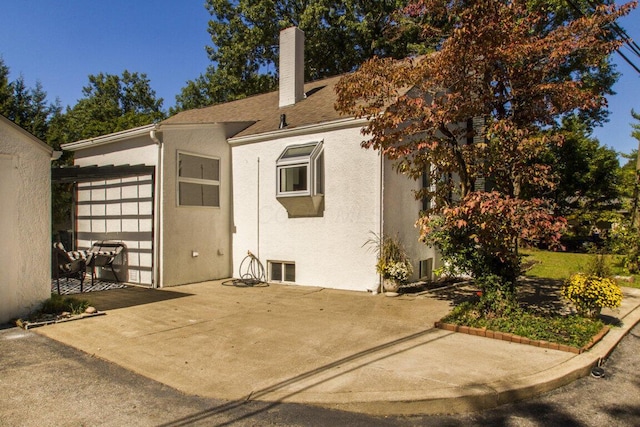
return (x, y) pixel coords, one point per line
(66, 267)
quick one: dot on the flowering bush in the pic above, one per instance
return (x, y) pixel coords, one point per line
(590, 293)
(393, 262)
(399, 271)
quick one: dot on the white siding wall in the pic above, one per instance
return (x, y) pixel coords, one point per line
(25, 222)
(401, 211)
(327, 250)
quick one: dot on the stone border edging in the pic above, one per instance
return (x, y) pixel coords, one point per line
(26, 325)
(504, 336)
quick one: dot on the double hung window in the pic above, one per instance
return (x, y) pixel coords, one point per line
(198, 180)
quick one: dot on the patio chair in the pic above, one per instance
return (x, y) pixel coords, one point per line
(102, 255)
(66, 267)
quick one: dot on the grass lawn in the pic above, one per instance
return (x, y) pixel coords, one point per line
(561, 265)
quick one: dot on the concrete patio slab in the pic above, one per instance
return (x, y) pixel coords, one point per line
(338, 349)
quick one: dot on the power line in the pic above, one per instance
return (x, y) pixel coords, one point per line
(628, 61)
(619, 32)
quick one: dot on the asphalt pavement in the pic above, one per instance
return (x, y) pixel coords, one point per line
(44, 382)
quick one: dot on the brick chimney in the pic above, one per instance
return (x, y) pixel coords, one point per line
(291, 66)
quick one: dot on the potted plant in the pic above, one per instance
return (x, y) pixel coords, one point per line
(393, 264)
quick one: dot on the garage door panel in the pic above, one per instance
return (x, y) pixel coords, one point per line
(120, 210)
(112, 209)
(130, 208)
(98, 210)
(114, 226)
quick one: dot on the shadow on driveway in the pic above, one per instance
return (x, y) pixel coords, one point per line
(130, 297)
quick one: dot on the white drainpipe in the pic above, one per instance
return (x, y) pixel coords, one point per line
(381, 232)
(157, 212)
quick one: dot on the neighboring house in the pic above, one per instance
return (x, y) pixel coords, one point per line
(281, 175)
(25, 221)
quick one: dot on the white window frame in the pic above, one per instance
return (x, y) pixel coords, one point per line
(283, 275)
(310, 161)
(197, 181)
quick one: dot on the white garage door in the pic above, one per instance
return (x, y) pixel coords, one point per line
(119, 209)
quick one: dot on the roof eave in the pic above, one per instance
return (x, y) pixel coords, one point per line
(346, 123)
(108, 139)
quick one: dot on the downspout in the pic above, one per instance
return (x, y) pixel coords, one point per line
(258, 212)
(158, 201)
(381, 220)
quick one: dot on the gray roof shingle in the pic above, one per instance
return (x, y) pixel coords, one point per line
(263, 110)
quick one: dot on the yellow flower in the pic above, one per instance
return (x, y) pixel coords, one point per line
(591, 293)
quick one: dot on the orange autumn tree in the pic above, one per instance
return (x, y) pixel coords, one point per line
(473, 111)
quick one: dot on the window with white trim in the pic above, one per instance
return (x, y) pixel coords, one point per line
(198, 180)
(300, 171)
(282, 271)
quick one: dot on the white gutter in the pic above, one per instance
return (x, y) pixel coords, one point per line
(158, 211)
(108, 139)
(284, 133)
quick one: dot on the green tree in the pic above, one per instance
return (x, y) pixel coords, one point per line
(5, 89)
(587, 191)
(111, 103)
(628, 175)
(631, 174)
(244, 54)
(510, 66)
(26, 107)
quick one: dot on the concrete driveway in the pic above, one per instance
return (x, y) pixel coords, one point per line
(337, 349)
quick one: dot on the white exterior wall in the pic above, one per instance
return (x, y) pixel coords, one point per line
(328, 251)
(25, 222)
(401, 212)
(189, 229)
(137, 151)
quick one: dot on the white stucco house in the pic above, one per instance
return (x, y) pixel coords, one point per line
(25, 221)
(281, 175)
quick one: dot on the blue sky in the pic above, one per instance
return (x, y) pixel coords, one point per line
(61, 42)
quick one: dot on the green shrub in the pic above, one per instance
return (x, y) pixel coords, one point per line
(598, 265)
(572, 330)
(58, 304)
(624, 241)
(497, 298)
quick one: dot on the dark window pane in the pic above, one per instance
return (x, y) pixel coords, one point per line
(293, 179)
(320, 174)
(199, 195)
(198, 167)
(276, 271)
(305, 150)
(289, 272)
